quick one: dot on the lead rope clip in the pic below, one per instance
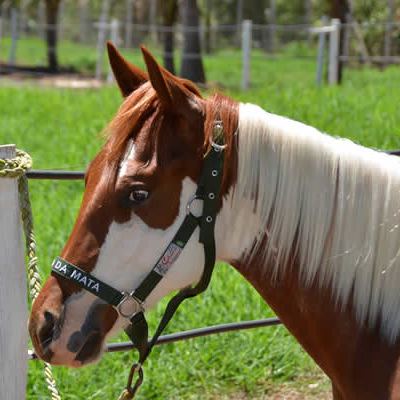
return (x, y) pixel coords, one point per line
(130, 390)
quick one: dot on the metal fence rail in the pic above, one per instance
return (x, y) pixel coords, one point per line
(194, 333)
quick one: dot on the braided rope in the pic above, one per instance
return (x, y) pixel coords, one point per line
(17, 168)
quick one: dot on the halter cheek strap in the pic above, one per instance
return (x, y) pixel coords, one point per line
(130, 305)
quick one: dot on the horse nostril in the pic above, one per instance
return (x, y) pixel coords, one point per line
(47, 330)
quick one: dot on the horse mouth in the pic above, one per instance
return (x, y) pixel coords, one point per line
(91, 349)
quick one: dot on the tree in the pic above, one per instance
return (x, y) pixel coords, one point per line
(170, 13)
(340, 8)
(52, 12)
(192, 63)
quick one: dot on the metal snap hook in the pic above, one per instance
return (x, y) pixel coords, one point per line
(130, 389)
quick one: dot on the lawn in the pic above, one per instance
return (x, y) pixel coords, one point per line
(60, 128)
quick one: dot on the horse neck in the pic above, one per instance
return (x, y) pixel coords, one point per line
(331, 203)
(311, 222)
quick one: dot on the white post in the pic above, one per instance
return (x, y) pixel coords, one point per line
(321, 51)
(14, 36)
(334, 41)
(114, 39)
(246, 53)
(13, 298)
(102, 38)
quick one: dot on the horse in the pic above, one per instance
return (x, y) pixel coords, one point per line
(311, 221)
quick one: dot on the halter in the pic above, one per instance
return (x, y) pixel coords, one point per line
(127, 303)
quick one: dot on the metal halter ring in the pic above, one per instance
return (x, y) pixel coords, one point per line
(129, 296)
(189, 204)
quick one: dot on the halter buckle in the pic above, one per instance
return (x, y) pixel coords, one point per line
(218, 132)
(131, 297)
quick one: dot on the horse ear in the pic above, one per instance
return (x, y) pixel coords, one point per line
(177, 95)
(128, 77)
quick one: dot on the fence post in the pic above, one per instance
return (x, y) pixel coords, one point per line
(13, 298)
(246, 52)
(14, 36)
(114, 39)
(334, 40)
(321, 51)
(101, 38)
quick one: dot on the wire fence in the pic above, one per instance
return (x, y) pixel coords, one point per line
(22, 42)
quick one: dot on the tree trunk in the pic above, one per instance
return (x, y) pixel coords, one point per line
(52, 10)
(207, 36)
(83, 20)
(192, 63)
(340, 9)
(170, 12)
(388, 30)
(239, 20)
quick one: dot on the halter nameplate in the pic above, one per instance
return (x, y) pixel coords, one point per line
(87, 281)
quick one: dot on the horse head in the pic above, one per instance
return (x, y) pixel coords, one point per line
(136, 193)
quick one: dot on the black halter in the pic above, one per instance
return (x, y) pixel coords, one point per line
(209, 191)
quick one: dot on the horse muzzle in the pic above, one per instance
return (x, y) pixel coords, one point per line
(70, 333)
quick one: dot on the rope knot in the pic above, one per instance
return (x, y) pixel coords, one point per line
(15, 167)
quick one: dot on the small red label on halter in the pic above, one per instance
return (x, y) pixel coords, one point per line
(169, 257)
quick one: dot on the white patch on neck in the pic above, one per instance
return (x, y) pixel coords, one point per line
(129, 155)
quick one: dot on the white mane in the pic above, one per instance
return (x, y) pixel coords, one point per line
(338, 202)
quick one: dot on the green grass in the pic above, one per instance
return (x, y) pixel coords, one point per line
(60, 127)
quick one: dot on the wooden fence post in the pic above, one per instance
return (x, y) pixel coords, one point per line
(334, 41)
(321, 51)
(114, 39)
(101, 38)
(246, 53)
(13, 298)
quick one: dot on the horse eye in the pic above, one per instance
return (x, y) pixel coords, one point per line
(138, 196)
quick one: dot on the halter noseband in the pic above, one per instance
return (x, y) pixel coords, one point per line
(130, 304)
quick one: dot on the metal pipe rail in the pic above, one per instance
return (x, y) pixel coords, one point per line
(194, 333)
(79, 175)
(57, 175)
